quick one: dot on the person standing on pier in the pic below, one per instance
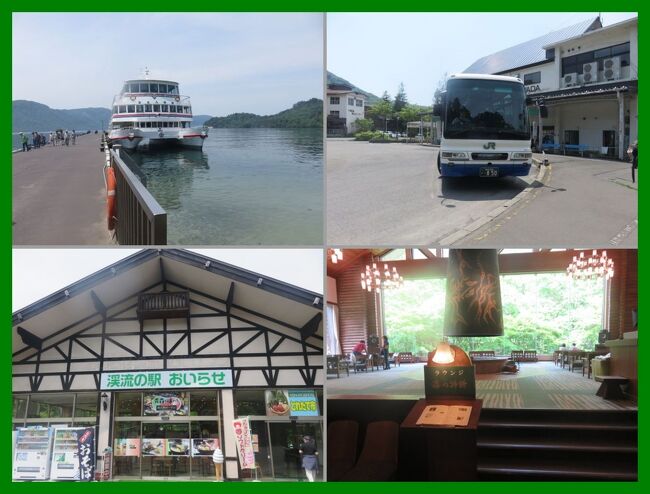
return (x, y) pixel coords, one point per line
(23, 140)
(74, 137)
(67, 138)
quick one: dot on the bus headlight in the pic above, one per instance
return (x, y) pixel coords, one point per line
(521, 156)
(451, 155)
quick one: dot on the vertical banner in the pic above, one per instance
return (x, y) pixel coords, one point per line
(86, 450)
(244, 442)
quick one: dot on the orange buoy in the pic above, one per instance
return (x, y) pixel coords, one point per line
(111, 185)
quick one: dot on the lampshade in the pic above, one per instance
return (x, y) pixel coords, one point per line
(446, 354)
(473, 301)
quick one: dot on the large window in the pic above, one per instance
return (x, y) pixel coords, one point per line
(540, 311)
(533, 78)
(70, 409)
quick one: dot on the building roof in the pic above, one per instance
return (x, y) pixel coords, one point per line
(530, 52)
(54, 316)
(338, 83)
(633, 20)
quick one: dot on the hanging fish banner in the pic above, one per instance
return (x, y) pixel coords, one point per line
(86, 453)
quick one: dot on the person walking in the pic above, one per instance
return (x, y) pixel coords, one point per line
(309, 455)
(23, 140)
(217, 459)
(67, 138)
(74, 137)
(635, 158)
(384, 352)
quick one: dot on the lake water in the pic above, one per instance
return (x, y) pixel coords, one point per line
(246, 187)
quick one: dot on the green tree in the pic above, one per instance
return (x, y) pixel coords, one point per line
(364, 125)
(400, 99)
(382, 110)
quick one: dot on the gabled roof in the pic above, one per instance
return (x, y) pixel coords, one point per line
(530, 52)
(149, 269)
(336, 82)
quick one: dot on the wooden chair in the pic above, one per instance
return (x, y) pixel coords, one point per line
(342, 437)
(378, 459)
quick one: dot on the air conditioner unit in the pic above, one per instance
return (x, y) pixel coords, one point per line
(570, 80)
(612, 68)
(590, 73)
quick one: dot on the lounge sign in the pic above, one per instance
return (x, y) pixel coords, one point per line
(203, 378)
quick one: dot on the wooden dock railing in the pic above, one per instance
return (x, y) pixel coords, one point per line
(140, 219)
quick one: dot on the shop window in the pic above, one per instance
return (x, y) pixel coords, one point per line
(128, 405)
(19, 406)
(203, 403)
(50, 406)
(126, 449)
(249, 402)
(86, 405)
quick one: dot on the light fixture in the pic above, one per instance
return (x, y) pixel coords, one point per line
(335, 255)
(446, 354)
(104, 401)
(373, 279)
(592, 267)
(473, 299)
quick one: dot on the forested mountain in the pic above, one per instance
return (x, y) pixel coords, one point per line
(29, 116)
(303, 114)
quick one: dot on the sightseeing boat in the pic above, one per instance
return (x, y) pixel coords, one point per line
(153, 113)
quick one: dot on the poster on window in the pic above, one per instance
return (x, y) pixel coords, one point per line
(303, 403)
(86, 454)
(277, 403)
(178, 447)
(166, 404)
(127, 447)
(154, 447)
(244, 443)
(204, 447)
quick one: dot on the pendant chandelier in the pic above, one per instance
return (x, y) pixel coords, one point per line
(592, 267)
(335, 255)
(373, 279)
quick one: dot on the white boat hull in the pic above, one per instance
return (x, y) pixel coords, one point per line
(127, 138)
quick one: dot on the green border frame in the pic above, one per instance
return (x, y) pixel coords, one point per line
(286, 6)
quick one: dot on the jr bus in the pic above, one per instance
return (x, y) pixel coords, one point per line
(485, 131)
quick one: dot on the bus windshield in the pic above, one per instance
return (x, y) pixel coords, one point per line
(486, 109)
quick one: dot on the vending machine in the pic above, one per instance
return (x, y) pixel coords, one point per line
(65, 454)
(32, 453)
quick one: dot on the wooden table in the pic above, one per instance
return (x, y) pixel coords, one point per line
(450, 451)
(610, 389)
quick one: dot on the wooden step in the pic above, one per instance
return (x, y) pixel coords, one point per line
(552, 470)
(551, 445)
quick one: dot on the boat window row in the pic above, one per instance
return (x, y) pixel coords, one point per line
(158, 125)
(150, 87)
(152, 109)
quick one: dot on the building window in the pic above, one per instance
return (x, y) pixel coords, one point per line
(351, 101)
(249, 402)
(148, 108)
(359, 102)
(532, 78)
(550, 54)
(575, 63)
(156, 108)
(165, 109)
(334, 113)
(335, 100)
(122, 108)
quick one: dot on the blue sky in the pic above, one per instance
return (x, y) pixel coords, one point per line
(258, 63)
(378, 51)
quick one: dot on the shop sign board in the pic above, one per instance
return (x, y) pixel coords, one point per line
(166, 404)
(244, 442)
(453, 381)
(202, 378)
(291, 402)
(86, 454)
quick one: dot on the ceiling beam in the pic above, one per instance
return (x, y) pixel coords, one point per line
(99, 306)
(30, 339)
(163, 278)
(231, 297)
(311, 327)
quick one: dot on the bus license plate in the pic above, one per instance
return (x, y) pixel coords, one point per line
(488, 172)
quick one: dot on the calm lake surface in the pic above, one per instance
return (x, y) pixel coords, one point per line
(246, 187)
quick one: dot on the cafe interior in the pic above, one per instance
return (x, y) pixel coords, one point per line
(482, 365)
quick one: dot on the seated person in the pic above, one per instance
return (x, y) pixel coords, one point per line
(360, 348)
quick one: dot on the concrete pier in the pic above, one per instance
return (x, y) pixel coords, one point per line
(59, 196)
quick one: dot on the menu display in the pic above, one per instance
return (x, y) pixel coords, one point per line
(127, 447)
(154, 447)
(178, 447)
(166, 404)
(204, 447)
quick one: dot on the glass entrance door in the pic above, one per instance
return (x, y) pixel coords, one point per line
(286, 439)
(165, 450)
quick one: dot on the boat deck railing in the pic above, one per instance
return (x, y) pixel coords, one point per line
(140, 219)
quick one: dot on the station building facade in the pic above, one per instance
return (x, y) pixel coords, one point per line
(161, 352)
(585, 77)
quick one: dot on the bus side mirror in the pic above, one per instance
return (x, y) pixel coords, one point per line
(437, 109)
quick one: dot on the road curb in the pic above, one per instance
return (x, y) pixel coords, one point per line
(537, 181)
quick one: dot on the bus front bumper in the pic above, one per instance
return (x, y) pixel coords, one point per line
(479, 170)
